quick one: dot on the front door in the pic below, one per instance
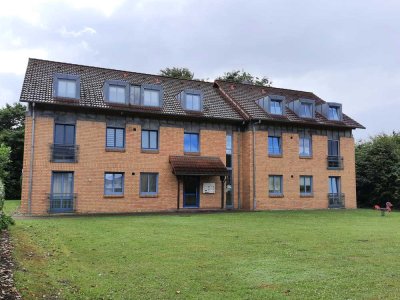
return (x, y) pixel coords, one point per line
(62, 192)
(191, 186)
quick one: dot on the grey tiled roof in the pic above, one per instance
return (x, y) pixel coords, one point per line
(246, 95)
(222, 100)
(38, 87)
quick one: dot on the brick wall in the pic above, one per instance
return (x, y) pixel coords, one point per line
(94, 160)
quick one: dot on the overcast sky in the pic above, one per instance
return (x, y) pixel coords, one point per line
(343, 51)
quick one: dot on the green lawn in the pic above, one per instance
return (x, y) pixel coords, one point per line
(301, 254)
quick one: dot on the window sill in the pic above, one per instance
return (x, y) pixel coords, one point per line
(148, 196)
(192, 153)
(113, 196)
(115, 149)
(276, 195)
(305, 156)
(275, 155)
(151, 151)
(306, 195)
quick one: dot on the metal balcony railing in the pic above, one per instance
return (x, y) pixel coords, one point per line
(335, 162)
(64, 153)
(62, 202)
(336, 200)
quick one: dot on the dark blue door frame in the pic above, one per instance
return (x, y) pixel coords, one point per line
(191, 191)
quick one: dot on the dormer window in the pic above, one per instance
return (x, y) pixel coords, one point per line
(66, 86)
(151, 95)
(191, 100)
(272, 104)
(116, 91)
(276, 107)
(306, 110)
(334, 113)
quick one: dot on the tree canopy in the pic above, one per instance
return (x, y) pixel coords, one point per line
(242, 76)
(12, 130)
(378, 170)
(175, 72)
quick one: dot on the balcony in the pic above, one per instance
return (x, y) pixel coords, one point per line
(336, 200)
(64, 153)
(62, 202)
(335, 162)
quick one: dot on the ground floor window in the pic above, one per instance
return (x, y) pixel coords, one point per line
(275, 185)
(62, 191)
(305, 185)
(113, 183)
(148, 184)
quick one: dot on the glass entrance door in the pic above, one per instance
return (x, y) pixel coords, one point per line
(191, 192)
(62, 192)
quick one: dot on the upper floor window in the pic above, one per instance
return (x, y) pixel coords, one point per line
(275, 185)
(134, 96)
(229, 150)
(333, 148)
(116, 91)
(64, 134)
(149, 139)
(334, 113)
(273, 104)
(115, 137)
(305, 145)
(151, 97)
(191, 142)
(274, 145)
(276, 107)
(66, 86)
(306, 110)
(113, 183)
(192, 101)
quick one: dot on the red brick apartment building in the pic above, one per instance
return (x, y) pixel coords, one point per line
(110, 141)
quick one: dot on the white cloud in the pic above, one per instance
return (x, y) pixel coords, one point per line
(15, 61)
(87, 30)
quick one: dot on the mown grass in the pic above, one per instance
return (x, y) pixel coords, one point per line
(301, 254)
(11, 206)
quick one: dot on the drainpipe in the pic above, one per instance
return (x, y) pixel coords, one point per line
(239, 167)
(31, 160)
(254, 165)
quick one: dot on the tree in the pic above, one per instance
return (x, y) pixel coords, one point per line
(378, 170)
(175, 72)
(12, 130)
(4, 161)
(244, 77)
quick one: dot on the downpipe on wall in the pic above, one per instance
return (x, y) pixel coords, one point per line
(31, 160)
(254, 164)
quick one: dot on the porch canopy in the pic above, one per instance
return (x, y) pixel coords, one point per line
(197, 166)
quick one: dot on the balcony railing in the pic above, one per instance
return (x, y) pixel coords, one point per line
(336, 200)
(62, 202)
(335, 162)
(64, 153)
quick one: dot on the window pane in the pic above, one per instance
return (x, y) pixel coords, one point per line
(119, 138)
(192, 101)
(69, 134)
(57, 183)
(151, 97)
(145, 139)
(152, 183)
(302, 187)
(153, 140)
(110, 138)
(277, 184)
(134, 96)
(271, 184)
(189, 101)
(59, 134)
(229, 161)
(144, 183)
(194, 143)
(186, 142)
(306, 110)
(118, 183)
(333, 148)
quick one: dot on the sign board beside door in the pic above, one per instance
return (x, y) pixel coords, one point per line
(208, 188)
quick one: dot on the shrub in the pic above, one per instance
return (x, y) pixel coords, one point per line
(5, 220)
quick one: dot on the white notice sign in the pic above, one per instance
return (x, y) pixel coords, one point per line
(209, 188)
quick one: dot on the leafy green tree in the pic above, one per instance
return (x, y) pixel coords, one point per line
(245, 77)
(12, 130)
(5, 151)
(175, 72)
(378, 170)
